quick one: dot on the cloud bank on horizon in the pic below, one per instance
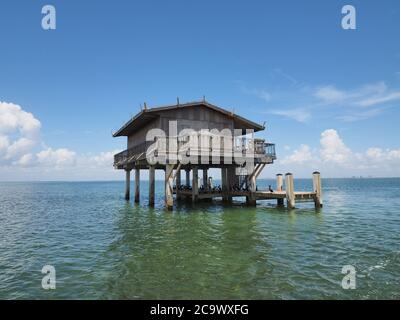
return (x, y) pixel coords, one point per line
(335, 159)
(23, 154)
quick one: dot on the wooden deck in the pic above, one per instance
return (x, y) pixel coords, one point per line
(260, 195)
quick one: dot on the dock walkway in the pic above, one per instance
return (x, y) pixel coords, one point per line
(280, 194)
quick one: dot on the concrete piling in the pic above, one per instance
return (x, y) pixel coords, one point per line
(290, 196)
(279, 187)
(317, 189)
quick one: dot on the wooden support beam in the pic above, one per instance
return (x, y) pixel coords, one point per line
(290, 197)
(137, 185)
(151, 185)
(279, 187)
(169, 199)
(256, 168)
(195, 184)
(178, 169)
(127, 184)
(260, 169)
(317, 189)
(252, 185)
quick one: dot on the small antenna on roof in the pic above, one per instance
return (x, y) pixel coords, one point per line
(264, 124)
(204, 98)
(145, 106)
(177, 101)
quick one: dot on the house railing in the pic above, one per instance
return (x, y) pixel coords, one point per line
(182, 145)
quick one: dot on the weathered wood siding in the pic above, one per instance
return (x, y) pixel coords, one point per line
(195, 118)
(139, 136)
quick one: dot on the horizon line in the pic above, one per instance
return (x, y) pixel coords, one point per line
(122, 180)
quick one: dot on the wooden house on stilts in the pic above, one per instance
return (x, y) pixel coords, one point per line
(193, 137)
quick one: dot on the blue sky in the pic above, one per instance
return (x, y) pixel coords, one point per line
(322, 90)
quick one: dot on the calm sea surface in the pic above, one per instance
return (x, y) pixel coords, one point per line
(104, 247)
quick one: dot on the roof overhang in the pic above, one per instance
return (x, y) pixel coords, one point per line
(147, 115)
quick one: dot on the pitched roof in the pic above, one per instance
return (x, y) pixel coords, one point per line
(148, 114)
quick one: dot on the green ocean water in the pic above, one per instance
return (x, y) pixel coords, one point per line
(105, 248)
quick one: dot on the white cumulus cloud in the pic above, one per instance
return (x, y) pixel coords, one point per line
(301, 155)
(103, 159)
(335, 158)
(19, 132)
(21, 145)
(56, 158)
(333, 149)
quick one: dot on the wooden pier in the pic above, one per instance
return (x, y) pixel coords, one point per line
(199, 136)
(279, 194)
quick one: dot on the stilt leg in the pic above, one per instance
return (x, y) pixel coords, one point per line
(151, 185)
(127, 184)
(169, 199)
(195, 184)
(137, 185)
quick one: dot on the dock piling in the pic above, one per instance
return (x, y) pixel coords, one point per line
(317, 189)
(279, 187)
(290, 196)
